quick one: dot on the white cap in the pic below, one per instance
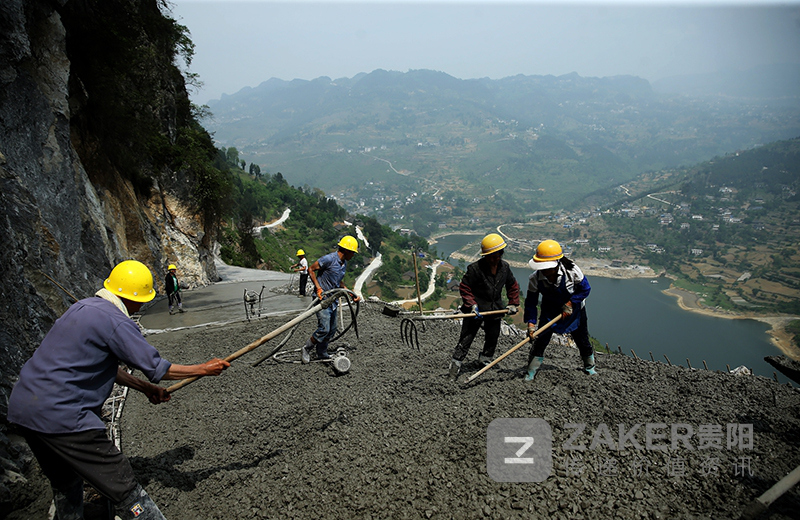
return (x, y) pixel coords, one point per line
(538, 266)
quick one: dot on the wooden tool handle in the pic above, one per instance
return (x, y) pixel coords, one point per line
(466, 315)
(254, 345)
(512, 349)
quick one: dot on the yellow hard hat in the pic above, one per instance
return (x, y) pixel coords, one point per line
(131, 280)
(171, 267)
(349, 243)
(547, 255)
(300, 252)
(491, 244)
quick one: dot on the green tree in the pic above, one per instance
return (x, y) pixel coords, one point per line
(247, 242)
(374, 233)
(232, 155)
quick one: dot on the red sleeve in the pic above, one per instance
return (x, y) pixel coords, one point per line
(512, 290)
(466, 293)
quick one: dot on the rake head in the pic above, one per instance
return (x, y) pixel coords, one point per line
(408, 332)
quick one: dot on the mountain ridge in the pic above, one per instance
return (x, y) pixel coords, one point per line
(567, 135)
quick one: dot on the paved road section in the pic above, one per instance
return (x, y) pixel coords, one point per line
(223, 302)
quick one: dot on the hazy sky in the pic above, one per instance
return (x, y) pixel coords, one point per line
(243, 43)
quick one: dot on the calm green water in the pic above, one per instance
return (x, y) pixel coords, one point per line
(635, 314)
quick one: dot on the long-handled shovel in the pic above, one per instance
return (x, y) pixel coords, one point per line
(254, 345)
(760, 505)
(512, 349)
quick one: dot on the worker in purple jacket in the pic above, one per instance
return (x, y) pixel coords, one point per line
(56, 403)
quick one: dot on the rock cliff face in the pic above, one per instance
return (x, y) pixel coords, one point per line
(67, 221)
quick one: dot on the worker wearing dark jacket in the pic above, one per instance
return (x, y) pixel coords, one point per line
(56, 404)
(481, 291)
(173, 288)
(563, 288)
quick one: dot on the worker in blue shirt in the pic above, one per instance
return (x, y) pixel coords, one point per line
(564, 289)
(328, 273)
(56, 403)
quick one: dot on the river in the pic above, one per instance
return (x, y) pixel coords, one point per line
(636, 314)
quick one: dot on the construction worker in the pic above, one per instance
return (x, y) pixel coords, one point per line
(173, 288)
(328, 273)
(56, 403)
(481, 291)
(564, 289)
(302, 267)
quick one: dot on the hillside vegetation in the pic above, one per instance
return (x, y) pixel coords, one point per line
(728, 229)
(423, 148)
(316, 224)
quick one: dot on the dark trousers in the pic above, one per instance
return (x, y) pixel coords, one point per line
(469, 328)
(580, 335)
(174, 297)
(303, 282)
(67, 460)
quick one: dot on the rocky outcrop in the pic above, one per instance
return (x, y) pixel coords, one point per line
(62, 230)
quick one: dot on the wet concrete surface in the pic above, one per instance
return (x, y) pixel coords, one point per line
(224, 301)
(396, 438)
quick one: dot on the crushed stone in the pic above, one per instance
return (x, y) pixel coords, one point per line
(396, 438)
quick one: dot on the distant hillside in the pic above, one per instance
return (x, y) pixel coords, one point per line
(536, 142)
(774, 82)
(730, 227)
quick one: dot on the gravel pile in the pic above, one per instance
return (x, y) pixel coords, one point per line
(395, 438)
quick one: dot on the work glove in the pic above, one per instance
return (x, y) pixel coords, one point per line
(566, 310)
(475, 310)
(512, 309)
(531, 330)
(214, 367)
(319, 293)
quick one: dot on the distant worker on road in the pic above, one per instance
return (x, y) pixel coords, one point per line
(302, 267)
(481, 291)
(564, 289)
(57, 402)
(328, 273)
(173, 289)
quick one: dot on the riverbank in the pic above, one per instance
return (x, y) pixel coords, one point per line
(779, 336)
(593, 267)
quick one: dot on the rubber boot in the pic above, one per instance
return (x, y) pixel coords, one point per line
(533, 367)
(455, 368)
(305, 352)
(322, 351)
(138, 505)
(69, 504)
(588, 365)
